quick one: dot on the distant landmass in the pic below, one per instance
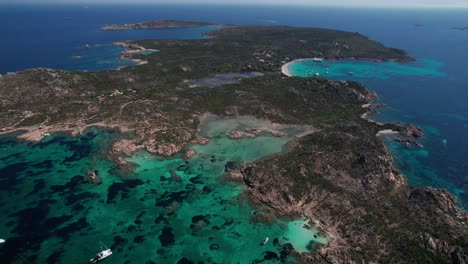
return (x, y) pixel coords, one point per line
(156, 24)
(461, 28)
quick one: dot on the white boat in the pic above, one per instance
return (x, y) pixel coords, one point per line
(317, 74)
(105, 252)
(2, 241)
(265, 240)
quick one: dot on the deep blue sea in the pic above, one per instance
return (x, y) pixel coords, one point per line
(48, 36)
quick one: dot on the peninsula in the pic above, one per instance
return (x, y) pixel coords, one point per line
(156, 24)
(339, 177)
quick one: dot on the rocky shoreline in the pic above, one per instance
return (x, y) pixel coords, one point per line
(132, 50)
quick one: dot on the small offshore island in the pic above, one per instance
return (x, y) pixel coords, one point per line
(156, 24)
(338, 175)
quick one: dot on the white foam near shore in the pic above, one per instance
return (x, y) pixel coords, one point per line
(386, 132)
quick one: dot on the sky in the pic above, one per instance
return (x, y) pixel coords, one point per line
(357, 3)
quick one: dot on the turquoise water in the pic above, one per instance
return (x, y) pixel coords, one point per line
(408, 159)
(427, 166)
(98, 58)
(147, 52)
(167, 210)
(363, 69)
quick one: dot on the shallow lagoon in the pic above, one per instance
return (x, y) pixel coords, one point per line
(168, 210)
(364, 69)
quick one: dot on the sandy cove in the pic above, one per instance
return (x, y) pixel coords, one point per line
(35, 134)
(285, 68)
(131, 50)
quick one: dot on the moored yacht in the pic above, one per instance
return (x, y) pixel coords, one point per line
(106, 252)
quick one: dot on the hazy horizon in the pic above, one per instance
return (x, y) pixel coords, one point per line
(330, 3)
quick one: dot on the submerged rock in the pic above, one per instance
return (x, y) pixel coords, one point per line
(232, 165)
(189, 153)
(183, 167)
(270, 255)
(236, 134)
(236, 176)
(214, 246)
(93, 178)
(123, 188)
(412, 131)
(197, 179)
(185, 260)
(163, 149)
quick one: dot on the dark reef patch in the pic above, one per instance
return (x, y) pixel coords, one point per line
(123, 188)
(190, 187)
(197, 179)
(119, 243)
(73, 198)
(29, 220)
(270, 255)
(55, 257)
(39, 184)
(232, 165)
(198, 218)
(138, 220)
(160, 218)
(206, 189)
(9, 175)
(183, 167)
(286, 251)
(80, 149)
(214, 246)
(66, 231)
(166, 237)
(71, 186)
(185, 260)
(46, 164)
(311, 245)
(139, 239)
(54, 222)
(169, 197)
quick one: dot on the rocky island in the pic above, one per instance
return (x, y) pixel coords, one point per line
(156, 24)
(339, 176)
